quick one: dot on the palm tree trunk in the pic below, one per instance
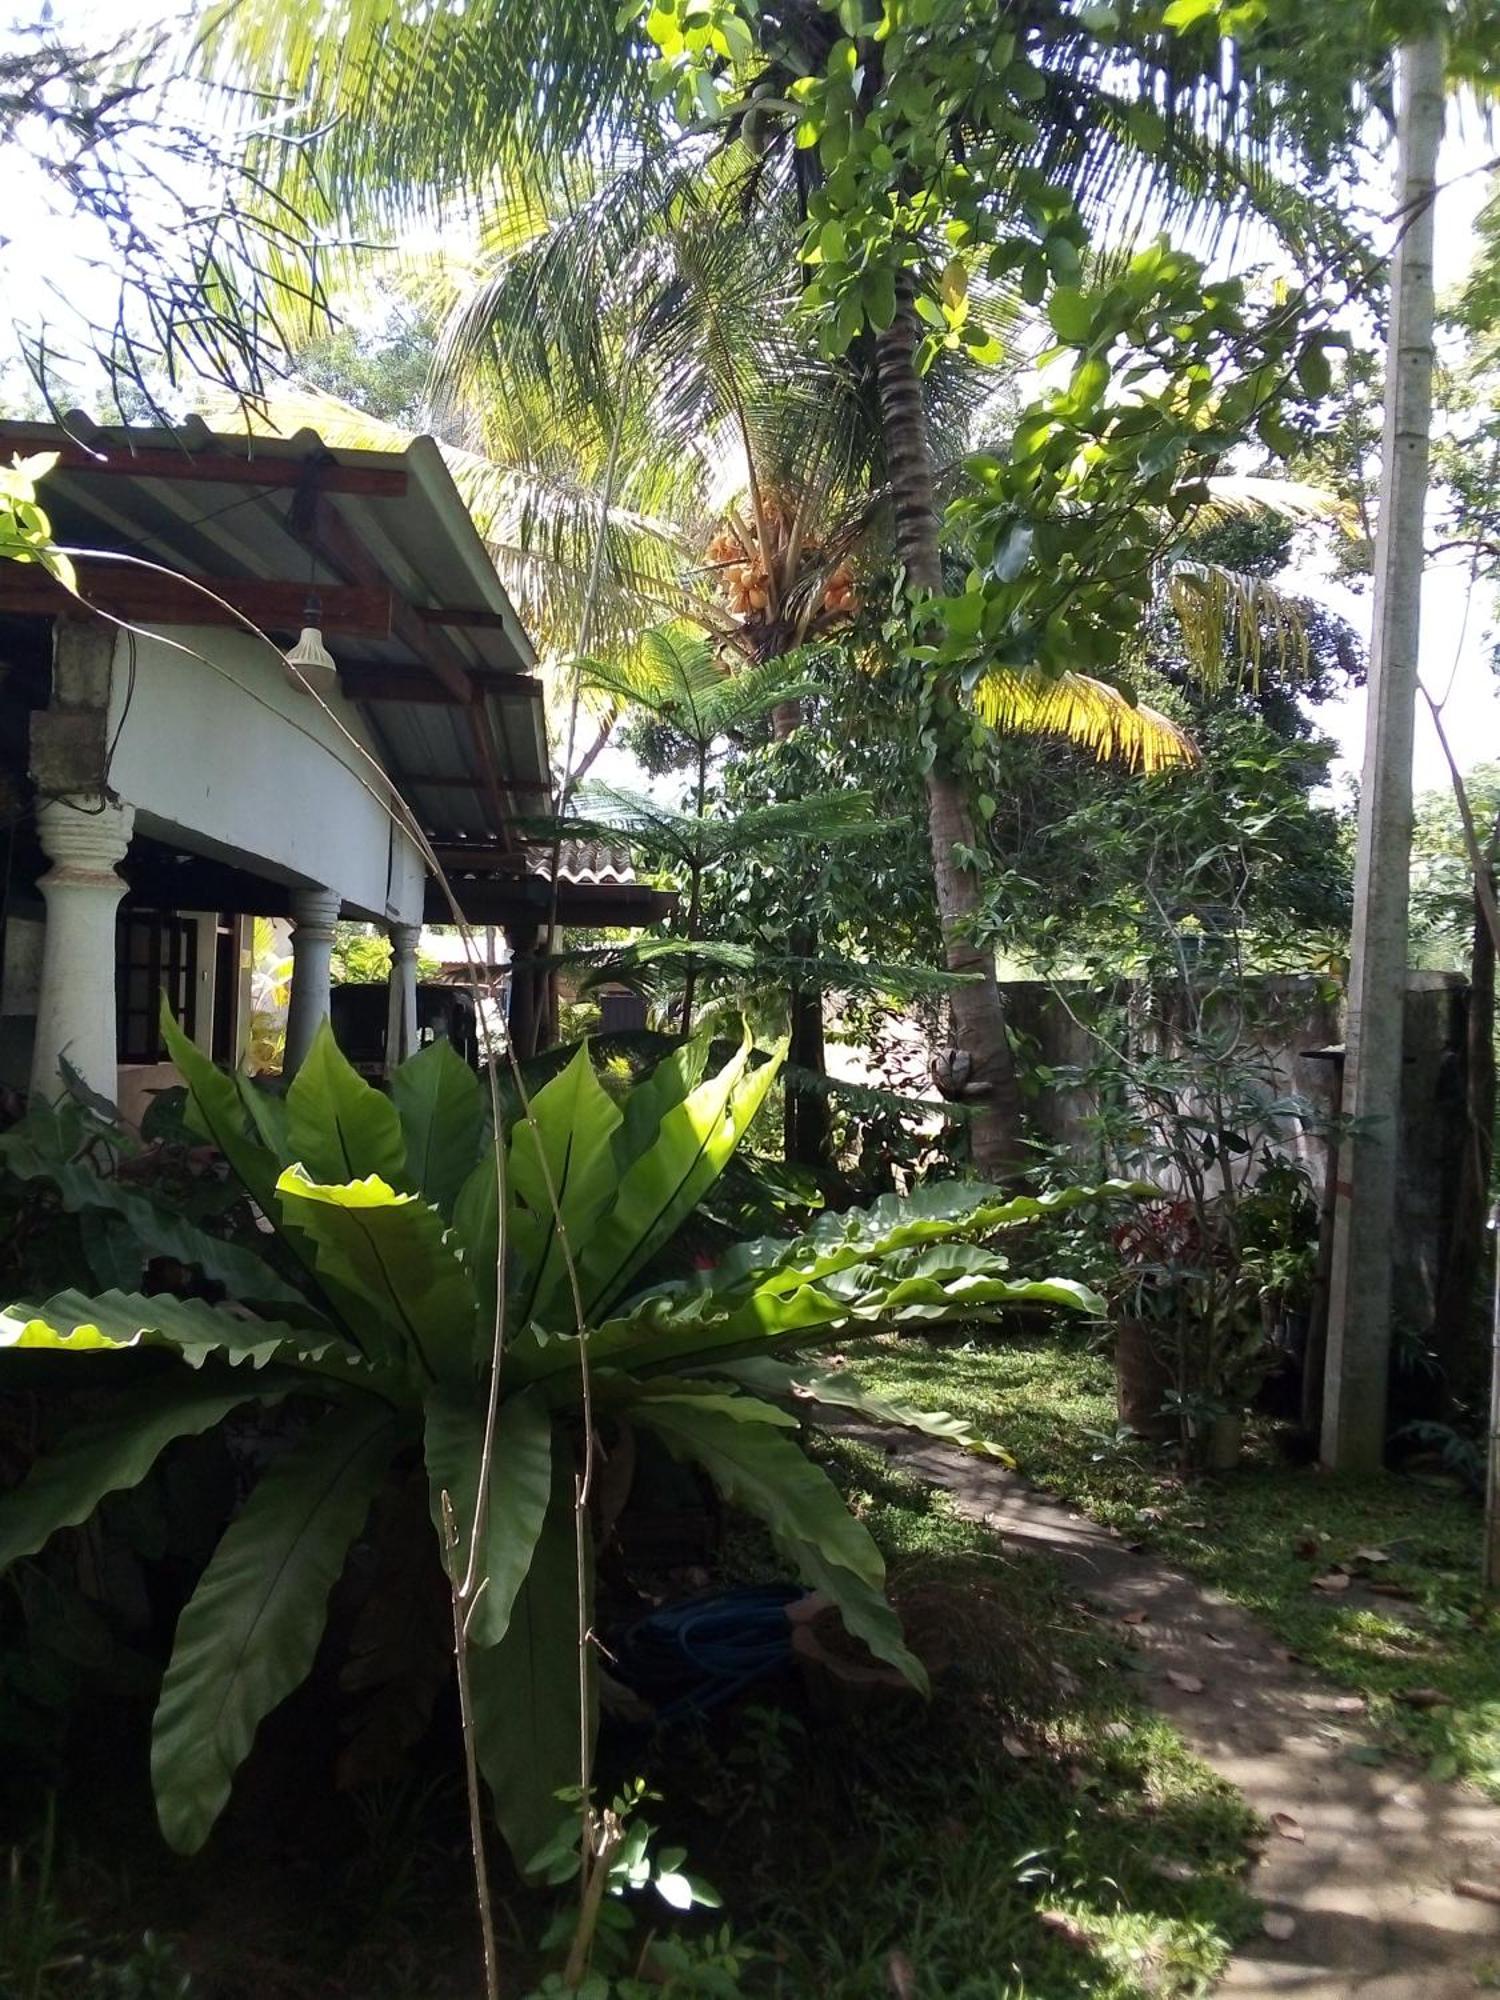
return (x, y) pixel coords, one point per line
(978, 1011)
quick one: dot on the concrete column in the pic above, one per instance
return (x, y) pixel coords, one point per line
(401, 1022)
(83, 837)
(314, 914)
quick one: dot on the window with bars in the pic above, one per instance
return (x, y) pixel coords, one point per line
(154, 954)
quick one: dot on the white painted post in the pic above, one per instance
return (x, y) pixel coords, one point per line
(401, 1021)
(314, 914)
(83, 837)
(1359, 1299)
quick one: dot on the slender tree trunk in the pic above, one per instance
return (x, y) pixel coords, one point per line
(695, 896)
(806, 1127)
(1359, 1302)
(978, 1011)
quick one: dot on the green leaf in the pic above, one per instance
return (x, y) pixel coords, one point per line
(195, 1330)
(661, 1188)
(672, 1080)
(440, 1103)
(65, 1487)
(248, 1634)
(339, 1128)
(266, 1111)
(759, 1468)
(1071, 314)
(840, 1390)
(476, 1230)
(155, 1231)
(526, 1689)
(390, 1249)
(520, 1486)
(1187, 13)
(564, 1154)
(216, 1109)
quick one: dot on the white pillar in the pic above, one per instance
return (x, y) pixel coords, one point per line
(83, 837)
(314, 914)
(401, 1021)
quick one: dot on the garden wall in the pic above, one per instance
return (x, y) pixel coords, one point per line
(1294, 1024)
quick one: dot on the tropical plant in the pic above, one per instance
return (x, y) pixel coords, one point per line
(398, 1340)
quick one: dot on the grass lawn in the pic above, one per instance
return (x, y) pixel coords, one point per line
(1030, 1834)
(1260, 1535)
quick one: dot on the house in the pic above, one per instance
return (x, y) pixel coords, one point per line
(165, 776)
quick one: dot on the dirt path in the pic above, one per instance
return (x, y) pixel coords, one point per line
(1367, 1892)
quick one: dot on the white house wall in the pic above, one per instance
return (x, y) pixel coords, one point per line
(224, 756)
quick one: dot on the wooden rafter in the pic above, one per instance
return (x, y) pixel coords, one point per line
(218, 467)
(145, 597)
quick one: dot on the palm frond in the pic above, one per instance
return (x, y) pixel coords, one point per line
(1087, 712)
(1226, 615)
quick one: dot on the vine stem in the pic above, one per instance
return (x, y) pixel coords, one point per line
(471, 1753)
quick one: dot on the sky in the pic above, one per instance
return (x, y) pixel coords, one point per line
(44, 256)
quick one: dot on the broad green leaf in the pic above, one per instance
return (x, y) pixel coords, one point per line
(685, 1330)
(440, 1103)
(156, 1232)
(65, 1487)
(662, 1187)
(192, 1328)
(520, 1486)
(390, 1249)
(843, 1391)
(761, 1469)
(526, 1689)
(249, 1632)
(215, 1108)
(266, 1111)
(674, 1078)
(476, 1231)
(340, 1128)
(562, 1153)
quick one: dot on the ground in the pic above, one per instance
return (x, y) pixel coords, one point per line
(1273, 1537)
(1036, 1832)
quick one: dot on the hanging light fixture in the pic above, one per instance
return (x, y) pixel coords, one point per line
(309, 664)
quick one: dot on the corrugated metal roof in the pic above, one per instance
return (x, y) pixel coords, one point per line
(423, 542)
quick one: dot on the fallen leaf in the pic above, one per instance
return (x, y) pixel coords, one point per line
(1136, 1617)
(1015, 1746)
(1478, 1892)
(1333, 1581)
(1189, 1683)
(1067, 1928)
(1214, 1639)
(1287, 1825)
(1371, 1556)
(1424, 1697)
(1117, 1731)
(1348, 1704)
(1192, 1524)
(901, 1975)
(1277, 1924)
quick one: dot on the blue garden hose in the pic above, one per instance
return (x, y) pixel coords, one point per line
(689, 1658)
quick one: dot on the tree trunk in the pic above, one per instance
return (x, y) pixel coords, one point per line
(806, 1127)
(1359, 1306)
(978, 1012)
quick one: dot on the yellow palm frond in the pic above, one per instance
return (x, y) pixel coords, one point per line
(1090, 713)
(1226, 614)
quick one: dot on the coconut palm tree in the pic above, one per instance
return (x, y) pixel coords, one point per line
(421, 112)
